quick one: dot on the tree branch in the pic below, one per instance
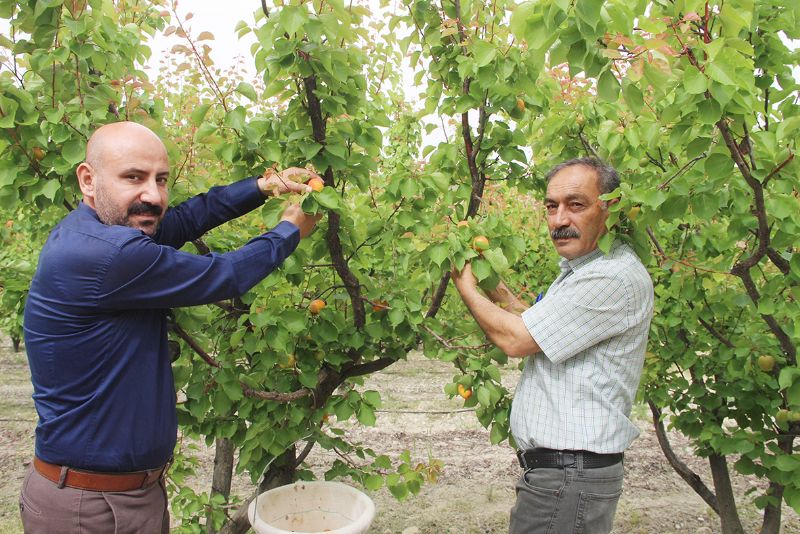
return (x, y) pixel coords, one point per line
(274, 395)
(184, 335)
(691, 478)
(367, 368)
(335, 248)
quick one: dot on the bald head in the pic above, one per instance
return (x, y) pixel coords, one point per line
(114, 137)
(124, 176)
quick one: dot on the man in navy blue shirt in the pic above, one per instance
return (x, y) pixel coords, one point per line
(96, 328)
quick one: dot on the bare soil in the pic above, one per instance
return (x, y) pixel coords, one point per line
(474, 492)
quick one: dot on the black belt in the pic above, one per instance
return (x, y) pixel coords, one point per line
(533, 458)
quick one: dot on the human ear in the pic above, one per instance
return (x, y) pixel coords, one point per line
(87, 181)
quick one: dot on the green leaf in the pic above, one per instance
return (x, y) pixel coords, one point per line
(366, 415)
(694, 81)
(328, 198)
(437, 254)
(633, 97)
(200, 113)
(399, 491)
(589, 11)
(608, 86)
(484, 397)
(793, 394)
(484, 52)
(709, 111)
(292, 18)
(50, 188)
(373, 482)
(519, 19)
(496, 435)
(310, 149)
(497, 260)
(787, 128)
(73, 151)
(247, 90)
(373, 398)
(294, 320)
(787, 463)
(481, 269)
(235, 118)
(204, 131)
(717, 165)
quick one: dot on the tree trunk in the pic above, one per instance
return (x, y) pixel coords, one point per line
(729, 516)
(280, 473)
(223, 472)
(691, 478)
(772, 513)
(16, 342)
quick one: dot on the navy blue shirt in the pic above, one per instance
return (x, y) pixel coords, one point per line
(96, 330)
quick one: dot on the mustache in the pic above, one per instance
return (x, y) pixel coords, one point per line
(144, 208)
(564, 233)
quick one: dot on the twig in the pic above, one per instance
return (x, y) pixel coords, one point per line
(195, 346)
(778, 169)
(446, 343)
(681, 170)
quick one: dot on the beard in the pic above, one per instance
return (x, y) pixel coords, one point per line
(110, 213)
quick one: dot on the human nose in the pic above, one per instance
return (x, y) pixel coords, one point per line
(150, 193)
(560, 217)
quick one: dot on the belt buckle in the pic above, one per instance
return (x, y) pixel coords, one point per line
(521, 459)
(562, 459)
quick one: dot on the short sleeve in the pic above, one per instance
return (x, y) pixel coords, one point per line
(585, 312)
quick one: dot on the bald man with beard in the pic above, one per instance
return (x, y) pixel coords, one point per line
(96, 328)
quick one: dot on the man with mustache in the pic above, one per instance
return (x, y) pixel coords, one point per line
(584, 345)
(96, 328)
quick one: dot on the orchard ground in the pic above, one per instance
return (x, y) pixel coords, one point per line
(474, 491)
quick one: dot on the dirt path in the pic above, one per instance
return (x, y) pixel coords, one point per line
(475, 490)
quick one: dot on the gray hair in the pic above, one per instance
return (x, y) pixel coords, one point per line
(607, 176)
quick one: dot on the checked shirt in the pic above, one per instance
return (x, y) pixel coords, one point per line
(592, 327)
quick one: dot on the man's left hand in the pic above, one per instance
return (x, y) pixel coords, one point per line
(464, 280)
(291, 180)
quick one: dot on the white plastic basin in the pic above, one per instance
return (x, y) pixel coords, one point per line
(312, 507)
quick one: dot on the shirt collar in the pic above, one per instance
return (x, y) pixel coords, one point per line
(85, 209)
(573, 265)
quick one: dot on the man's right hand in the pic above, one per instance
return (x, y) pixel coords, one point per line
(291, 180)
(305, 222)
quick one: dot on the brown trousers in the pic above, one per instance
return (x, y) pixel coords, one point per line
(46, 509)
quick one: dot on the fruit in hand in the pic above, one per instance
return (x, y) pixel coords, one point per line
(480, 243)
(316, 184)
(464, 392)
(316, 306)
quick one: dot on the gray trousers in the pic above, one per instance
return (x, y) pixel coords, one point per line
(563, 501)
(46, 509)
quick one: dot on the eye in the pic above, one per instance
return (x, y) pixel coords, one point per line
(162, 180)
(575, 206)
